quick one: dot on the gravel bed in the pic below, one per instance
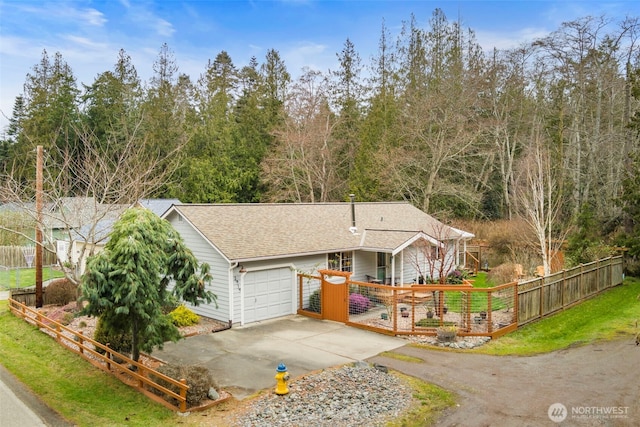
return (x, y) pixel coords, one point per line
(358, 395)
(465, 343)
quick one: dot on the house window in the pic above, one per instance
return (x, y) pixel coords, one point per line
(382, 264)
(429, 251)
(341, 261)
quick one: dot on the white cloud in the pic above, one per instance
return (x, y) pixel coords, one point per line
(164, 28)
(144, 17)
(308, 54)
(84, 42)
(507, 40)
(92, 17)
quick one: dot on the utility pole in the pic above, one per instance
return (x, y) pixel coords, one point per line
(39, 156)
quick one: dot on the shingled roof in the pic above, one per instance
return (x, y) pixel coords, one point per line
(244, 232)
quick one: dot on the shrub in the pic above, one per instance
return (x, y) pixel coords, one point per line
(198, 378)
(67, 318)
(455, 277)
(358, 303)
(61, 292)
(503, 273)
(315, 303)
(116, 336)
(182, 316)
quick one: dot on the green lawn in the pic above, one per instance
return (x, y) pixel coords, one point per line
(67, 383)
(25, 277)
(480, 280)
(613, 314)
(478, 301)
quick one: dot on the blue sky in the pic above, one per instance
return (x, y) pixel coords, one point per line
(89, 34)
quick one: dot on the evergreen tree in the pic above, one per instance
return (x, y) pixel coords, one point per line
(164, 118)
(378, 129)
(50, 114)
(112, 103)
(276, 80)
(127, 285)
(347, 96)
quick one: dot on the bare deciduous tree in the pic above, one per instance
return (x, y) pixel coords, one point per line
(539, 201)
(305, 163)
(84, 194)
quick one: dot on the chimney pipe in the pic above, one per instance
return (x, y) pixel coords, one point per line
(353, 211)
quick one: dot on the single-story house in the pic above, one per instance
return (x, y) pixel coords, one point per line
(255, 251)
(90, 236)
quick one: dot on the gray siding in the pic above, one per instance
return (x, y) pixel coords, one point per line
(409, 271)
(205, 253)
(365, 264)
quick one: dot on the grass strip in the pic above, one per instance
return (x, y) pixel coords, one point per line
(612, 314)
(429, 402)
(402, 357)
(25, 277)
(70, 385)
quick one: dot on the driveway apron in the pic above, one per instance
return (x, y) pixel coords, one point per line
(243, 360)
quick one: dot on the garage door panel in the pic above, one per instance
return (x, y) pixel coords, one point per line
(268, 294)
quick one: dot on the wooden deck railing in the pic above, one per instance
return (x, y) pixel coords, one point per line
(141, 379)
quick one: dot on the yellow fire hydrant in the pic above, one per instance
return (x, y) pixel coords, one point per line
(282, 377)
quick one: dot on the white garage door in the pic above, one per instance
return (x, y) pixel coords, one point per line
(267, 294)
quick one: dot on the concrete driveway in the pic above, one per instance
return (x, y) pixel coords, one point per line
(243, 360)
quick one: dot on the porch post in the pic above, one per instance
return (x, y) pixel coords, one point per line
(393, 269)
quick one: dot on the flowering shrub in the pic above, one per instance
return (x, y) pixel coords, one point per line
(455, 277)
(182, 316)
(358, 303)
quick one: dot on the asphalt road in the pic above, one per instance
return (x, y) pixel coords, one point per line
(592, 385)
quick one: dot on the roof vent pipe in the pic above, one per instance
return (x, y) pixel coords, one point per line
(353, 228)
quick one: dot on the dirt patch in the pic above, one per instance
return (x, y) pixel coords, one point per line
(591, 381)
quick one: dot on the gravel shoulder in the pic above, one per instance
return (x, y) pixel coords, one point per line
(518, 391)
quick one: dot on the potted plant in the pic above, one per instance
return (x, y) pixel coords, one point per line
(446, 333)
(429, 313)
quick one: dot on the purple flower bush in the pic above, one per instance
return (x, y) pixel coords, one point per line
(455, 277)
(358, 303)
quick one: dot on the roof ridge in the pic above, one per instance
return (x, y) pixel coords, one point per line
(398, 202)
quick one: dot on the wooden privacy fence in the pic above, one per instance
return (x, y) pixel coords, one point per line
(544, 296)
(143, 379)
(27, 296)
(18, 256)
